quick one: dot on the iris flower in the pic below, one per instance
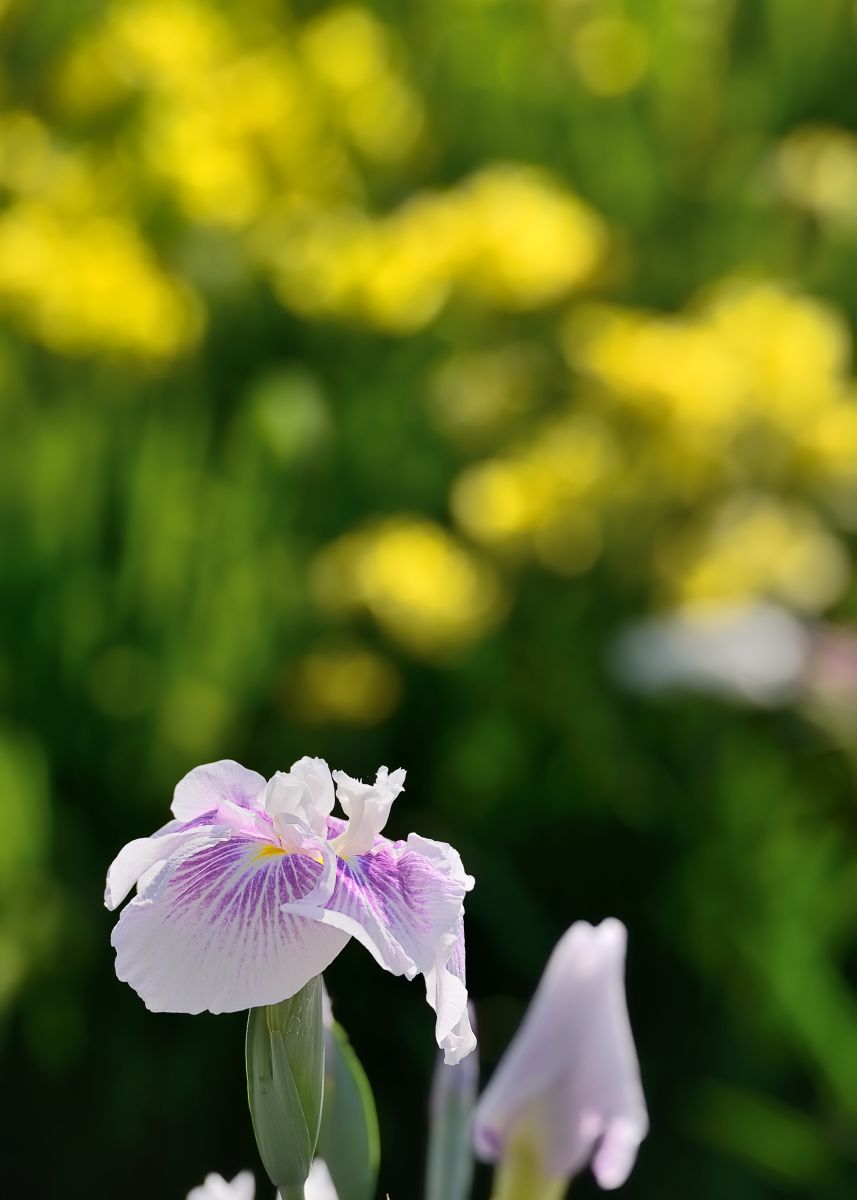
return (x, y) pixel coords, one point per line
(568, 1088)
(255, 887)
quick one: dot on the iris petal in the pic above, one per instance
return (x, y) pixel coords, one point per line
(213, 935)
(171, 844)
(207, 787)
(396, 904)
(446, 992)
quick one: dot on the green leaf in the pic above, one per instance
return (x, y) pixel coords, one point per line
(449, 1169)
(349, 1141)
(285, 1084)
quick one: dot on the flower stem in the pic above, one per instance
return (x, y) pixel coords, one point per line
(520, 1176)
(292, 1193)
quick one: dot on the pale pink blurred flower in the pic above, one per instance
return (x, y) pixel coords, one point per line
(568, 1088)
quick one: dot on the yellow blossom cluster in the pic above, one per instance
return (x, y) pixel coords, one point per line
(423, 587)
(752, 546)
(716, 415)
(507, 236)
(75, 271)
(545, 497)
(751, 356)
(269, 134)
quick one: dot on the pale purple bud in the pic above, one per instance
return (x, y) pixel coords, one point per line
(569, 1083)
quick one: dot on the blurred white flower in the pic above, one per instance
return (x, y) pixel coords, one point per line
(242, 1187)
(568, 1088)
(319, 1186)
(756, 653)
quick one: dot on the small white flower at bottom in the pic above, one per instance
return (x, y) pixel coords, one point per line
(242, 1187)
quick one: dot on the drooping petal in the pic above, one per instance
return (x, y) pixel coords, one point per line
(205, 788)
(171, 843)
(395, 903)
(570, 1078)
(305, 792)
(367, 806)
(446, 992)
(213, 934)
(215, 1187)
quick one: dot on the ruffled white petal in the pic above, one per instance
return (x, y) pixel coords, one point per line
(205, 788)
(570, 1076)
(367, 807)
(215, 1187)
(305, 792)
(212, 933)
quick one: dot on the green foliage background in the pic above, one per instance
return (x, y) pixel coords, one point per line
(328, 428)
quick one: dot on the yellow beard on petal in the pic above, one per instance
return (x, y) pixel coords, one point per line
(268, 851)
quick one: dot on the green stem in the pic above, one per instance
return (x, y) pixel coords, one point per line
(292, 1193)
(520, 1177)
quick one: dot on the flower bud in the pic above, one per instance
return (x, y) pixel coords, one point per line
(285, 1085)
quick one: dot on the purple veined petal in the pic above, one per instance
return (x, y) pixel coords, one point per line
(305, 792)
(213, 933)
(205, 788)
(140, 858)
(446, 992)
(215, 1187)
(393, 902)
(442, 856)
(367, 807)
(570, 1078)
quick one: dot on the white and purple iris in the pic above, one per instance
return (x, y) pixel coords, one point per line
(254, 888)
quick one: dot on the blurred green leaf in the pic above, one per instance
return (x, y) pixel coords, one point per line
(349, 1141)
(449, 1169)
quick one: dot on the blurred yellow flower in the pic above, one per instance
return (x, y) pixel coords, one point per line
(478, 395)
(757, 546)
(726, 389)
(91, 286)
(353, 57)
(508, 236)
(348, 685)
(795, 351)
(420, 584)
(543, 498)
(529, 240)
(610, 54)
(815, 168)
